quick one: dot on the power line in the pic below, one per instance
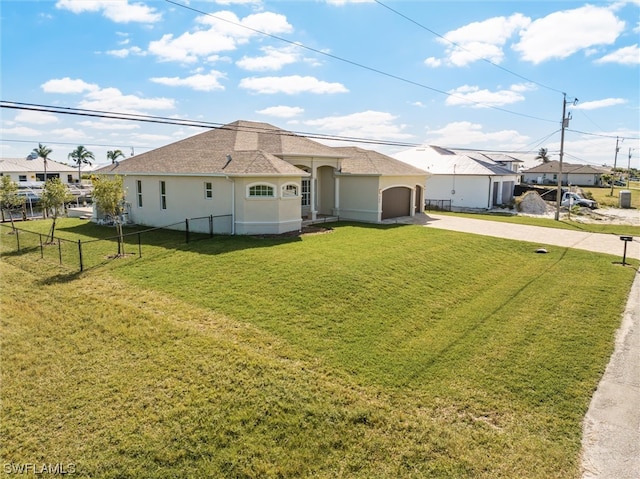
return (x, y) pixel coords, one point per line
(191, 123)
(465, 49)
(359, 65)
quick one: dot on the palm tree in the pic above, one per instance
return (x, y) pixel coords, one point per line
(43, 152)
(114, 155)
(81, 155)
(543, 154)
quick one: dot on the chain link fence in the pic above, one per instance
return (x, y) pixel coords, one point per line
(82, 254)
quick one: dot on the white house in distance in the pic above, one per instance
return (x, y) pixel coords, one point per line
(572, 174)
(255, 178)
(30, 172)
(469, 181)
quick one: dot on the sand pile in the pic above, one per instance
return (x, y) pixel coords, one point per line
(531, 203)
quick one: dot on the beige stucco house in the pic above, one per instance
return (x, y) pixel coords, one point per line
(30, 172)
(255, 178)
(572, 174)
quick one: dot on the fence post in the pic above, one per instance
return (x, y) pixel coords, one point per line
(80, 255)
(60, 251)
(139, 247)
(41, 247)
(186, 225)
(210, 226)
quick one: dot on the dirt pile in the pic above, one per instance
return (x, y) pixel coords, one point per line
(532, 204)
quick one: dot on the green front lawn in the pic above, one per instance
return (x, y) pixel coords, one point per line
(366, 351)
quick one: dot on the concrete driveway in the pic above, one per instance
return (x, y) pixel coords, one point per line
(597, 242)
(611, 427)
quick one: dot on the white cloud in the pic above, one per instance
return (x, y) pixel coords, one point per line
(20, 131)
(466, 133)
(433, 62)
(109, 125)
(118, 11)
(67, 133)
(473, 96)
(479, 40)
(625, 56)
(563, 33)
(112, 99)
(68, 85)
(291, 85)
(199, 82)
(345, 2)
(273, 59)
(125, 52)
(238, 2)
(223, 31)
(282, 111)
(594, 105)
(36, 117)
(366, 124)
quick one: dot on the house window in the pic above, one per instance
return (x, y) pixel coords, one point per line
(139, 193)
(289, 191)
(22, 178)
(261, 191)
(306, 192)
(163, 195)
(208, 190)
(69, 178)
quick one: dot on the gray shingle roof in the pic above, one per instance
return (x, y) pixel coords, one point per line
(368, 162)
(554, 167)
(255, 148)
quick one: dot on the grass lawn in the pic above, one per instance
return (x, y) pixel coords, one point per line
(604, 197)
(367, 351)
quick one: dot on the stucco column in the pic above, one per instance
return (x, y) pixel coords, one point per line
(336, 196)
(312, 199)
(412, 210)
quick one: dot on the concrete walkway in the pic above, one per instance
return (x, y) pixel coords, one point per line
(611, 427)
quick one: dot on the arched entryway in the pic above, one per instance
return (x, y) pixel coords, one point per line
(396, 202)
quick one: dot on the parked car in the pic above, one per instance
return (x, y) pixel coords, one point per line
(570, 199)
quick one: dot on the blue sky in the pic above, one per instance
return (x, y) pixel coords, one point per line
(468, 74)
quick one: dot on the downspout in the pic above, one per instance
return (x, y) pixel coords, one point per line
(233, 205)
(489, 197)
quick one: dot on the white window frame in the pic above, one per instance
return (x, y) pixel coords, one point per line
(261, 196)
(163, 195)
(306, 192)
(139, 193)
(290, 190)
(208, 190)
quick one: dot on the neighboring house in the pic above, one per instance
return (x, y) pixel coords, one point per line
(255, 178)
(572, 174)
(508, 160)
(470, 180)
(29, 172)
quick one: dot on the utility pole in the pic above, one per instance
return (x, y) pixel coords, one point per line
(629, 168)
(565, 124)
(615, 160)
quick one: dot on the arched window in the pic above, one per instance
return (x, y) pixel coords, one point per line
(290, 190)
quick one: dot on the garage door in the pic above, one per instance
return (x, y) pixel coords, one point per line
(396, 202)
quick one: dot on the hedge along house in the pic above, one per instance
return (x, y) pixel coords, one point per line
(254, 178)
(468, 181)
